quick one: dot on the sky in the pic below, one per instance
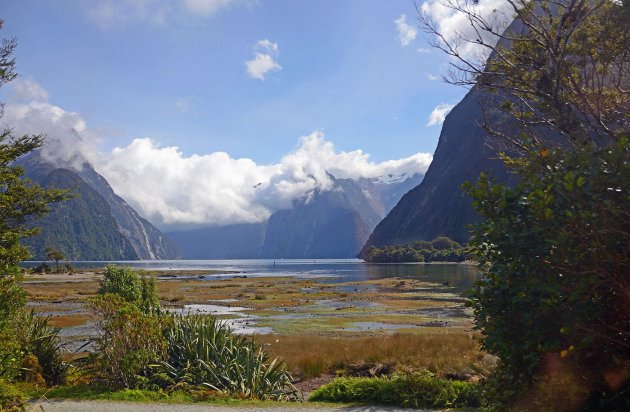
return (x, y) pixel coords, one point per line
(162, 94)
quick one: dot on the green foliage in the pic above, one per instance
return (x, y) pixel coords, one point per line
(11, 398)
(129, 340)
(83, 227)
(131, 286)
(442, 249)
(99, 392)
(412, 390)
(203, 351)
(21, 202)
(42, 341)
(552, 302)
(54, 255)
(12, 301)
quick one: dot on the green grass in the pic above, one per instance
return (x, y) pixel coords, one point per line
(416, 390)
(102, 393)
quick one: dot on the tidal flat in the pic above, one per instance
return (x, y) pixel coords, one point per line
(282, 305)
(315, 324)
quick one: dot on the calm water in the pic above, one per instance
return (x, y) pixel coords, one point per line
(462, 277)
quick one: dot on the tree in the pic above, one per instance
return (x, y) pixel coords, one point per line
(21, 203)
(561, 69)
(54, 255)
(552, 301)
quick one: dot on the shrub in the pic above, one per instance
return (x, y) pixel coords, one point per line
(552, 303)
(42, 341)
(12, 301)
(129, 340)
(415, 390)
(133, 287)
(202, 351)
(11, 399)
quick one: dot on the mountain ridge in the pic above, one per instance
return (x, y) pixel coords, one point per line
(332, 223)
(96, 224)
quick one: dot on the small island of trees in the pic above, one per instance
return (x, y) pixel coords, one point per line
(441, 249)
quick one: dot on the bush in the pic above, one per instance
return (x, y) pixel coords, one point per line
(12, 302)
(42, 341)
(133, 287)
(201, 351)
(129, 340)
(552, 302)
(411, 390)
(11, 399)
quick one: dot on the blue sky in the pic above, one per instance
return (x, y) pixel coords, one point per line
(213, 112)
(176, 71)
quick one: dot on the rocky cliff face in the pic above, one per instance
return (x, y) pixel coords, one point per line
(437, 206)
(96, 224)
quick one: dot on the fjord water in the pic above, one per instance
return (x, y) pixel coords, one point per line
(460, 277)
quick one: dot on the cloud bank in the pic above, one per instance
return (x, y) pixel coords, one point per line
(264, 61)
(175, 191)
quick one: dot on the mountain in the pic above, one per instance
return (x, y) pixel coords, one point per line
(242, 241)
(437, 206)
(148, 242)
(332, 223)
(95, 224)
(82, 227)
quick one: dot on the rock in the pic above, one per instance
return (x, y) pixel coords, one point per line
(368, 369)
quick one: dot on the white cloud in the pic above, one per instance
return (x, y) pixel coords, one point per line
(68, 140)
(406, 32)
(439, 113)
(264, 61)
(432, 77)
(174, 190)
(423, 50)
(453, 24)
(27, 89)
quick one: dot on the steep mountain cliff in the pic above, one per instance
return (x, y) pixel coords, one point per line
(326, 224)
(334, 223)
(148, 242)
(96, 224)
(437, 207)
(83, 227)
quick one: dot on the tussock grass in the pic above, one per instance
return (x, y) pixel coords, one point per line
(309, 355)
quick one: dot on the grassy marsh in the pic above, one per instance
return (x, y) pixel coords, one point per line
(319, 325)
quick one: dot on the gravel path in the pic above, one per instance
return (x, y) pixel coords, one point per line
(106, 406)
